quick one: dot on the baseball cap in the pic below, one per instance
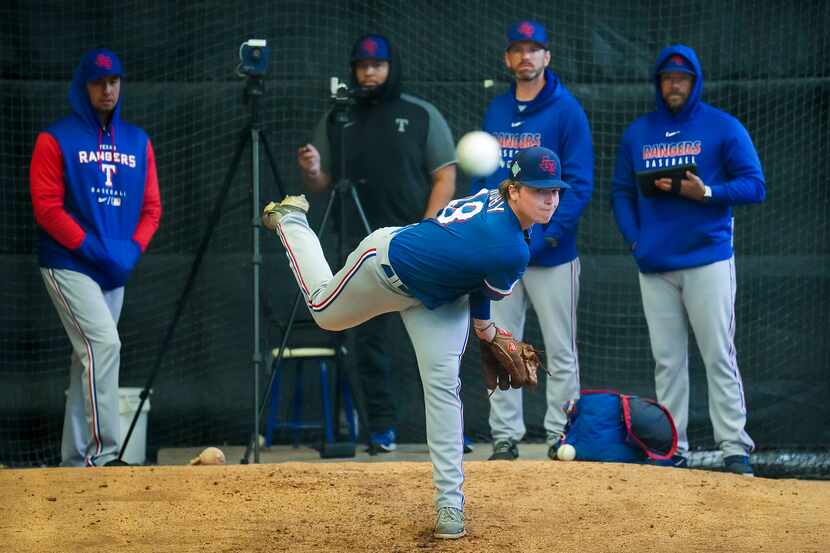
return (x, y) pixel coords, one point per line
(537, 168)
(527, 30)
(678, 63)
(98, 63)
(371, 47)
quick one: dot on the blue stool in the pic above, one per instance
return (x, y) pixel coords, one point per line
(322, 356)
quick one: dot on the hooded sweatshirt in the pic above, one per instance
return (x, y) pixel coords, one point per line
(555, 120)
(94, 190)
(669, 232)
(393, 144)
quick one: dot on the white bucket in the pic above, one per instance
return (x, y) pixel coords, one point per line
(128, 400)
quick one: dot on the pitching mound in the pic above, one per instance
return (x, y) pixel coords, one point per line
(518, 506)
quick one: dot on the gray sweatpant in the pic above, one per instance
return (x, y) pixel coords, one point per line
(554, 293)
(707, 296)
(91, 424)
(367, 286)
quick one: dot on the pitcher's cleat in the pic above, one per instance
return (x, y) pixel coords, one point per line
(449, 524)
(273, 212)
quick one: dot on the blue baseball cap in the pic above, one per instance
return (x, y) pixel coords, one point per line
(98, 63)
(371, 47)
(676, 63)
(527, 30)
(537, 168)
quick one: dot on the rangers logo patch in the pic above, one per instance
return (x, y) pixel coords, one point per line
(103, 61)
(369, 46)
(526, 29)
(548, 165)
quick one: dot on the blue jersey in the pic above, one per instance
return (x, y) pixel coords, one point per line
(474, 246)
(672, 232)
(555, 120)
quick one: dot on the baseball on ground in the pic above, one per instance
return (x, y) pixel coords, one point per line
(566, 452)
(478, 153)
(209, 456)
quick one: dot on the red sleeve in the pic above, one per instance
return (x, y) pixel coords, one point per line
(150, 216)
(47, 189)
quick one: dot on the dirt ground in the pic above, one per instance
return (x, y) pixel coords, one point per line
(511, 506)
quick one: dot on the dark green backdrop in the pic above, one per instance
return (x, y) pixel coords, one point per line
(765, 64)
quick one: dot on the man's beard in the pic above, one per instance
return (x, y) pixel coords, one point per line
(523, 75)
(675, 108)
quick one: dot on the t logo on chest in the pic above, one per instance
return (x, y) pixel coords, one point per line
(109, 169)
(401, 123)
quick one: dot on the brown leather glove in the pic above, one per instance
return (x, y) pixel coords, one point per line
(509, 363)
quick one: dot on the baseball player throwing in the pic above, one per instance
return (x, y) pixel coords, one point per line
(437, 274)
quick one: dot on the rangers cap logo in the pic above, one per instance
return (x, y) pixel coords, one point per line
(103, 61)
(369, 46)
(547, 165)
(526, 29)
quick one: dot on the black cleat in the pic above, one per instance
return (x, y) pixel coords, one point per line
(505, 450)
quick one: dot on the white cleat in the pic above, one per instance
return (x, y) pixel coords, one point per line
(273, 212)
(449, 524)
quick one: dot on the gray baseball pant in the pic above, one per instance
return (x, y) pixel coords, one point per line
(367, 286)
(554, 293)
(92, 424)
(707, 296)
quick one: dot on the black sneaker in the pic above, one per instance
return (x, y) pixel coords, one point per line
(676, 461)
(116, 463)
(504, 450)
(738, 464)
(553, 450)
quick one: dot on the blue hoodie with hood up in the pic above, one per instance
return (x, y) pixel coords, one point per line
(94, 188)
(555, 120)
(667, 232)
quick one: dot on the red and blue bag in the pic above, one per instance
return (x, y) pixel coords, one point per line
(606, 425)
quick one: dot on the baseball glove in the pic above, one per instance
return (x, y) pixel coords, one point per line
(509, 363)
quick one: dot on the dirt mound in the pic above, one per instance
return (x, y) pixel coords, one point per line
(519, 506)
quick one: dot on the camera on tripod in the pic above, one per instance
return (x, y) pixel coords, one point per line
(341, 94)
(253, 58)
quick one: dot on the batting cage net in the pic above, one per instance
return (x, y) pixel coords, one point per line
(764, 62)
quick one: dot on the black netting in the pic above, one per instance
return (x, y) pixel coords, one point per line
(764, 62)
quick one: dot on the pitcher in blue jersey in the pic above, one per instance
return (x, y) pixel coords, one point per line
(681, 237)
(438, 274)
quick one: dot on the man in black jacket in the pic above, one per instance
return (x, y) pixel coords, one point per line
(400, 155)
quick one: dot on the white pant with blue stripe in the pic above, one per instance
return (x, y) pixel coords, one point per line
(367, 286)
(706, 295)
(91, 424)
(554, 293)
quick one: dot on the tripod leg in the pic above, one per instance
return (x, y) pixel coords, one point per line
(286, 335)
(273, 164)
(360, 211)
(191, 278)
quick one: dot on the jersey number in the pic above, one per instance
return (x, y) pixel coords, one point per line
(459, 210)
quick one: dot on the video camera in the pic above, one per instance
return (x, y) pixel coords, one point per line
(341, 94)
(253, 58)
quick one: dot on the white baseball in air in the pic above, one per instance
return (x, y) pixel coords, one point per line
(478, 153)
(566, 452)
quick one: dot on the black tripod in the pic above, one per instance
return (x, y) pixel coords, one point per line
(341, 115)
(254, 90)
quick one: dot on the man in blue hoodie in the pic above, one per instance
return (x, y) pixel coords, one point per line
(96, 203)
(539, 111)
(681, 238)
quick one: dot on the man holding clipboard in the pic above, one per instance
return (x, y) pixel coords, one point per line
(679, 171)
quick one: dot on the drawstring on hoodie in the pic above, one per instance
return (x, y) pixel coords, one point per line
(101, 141)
